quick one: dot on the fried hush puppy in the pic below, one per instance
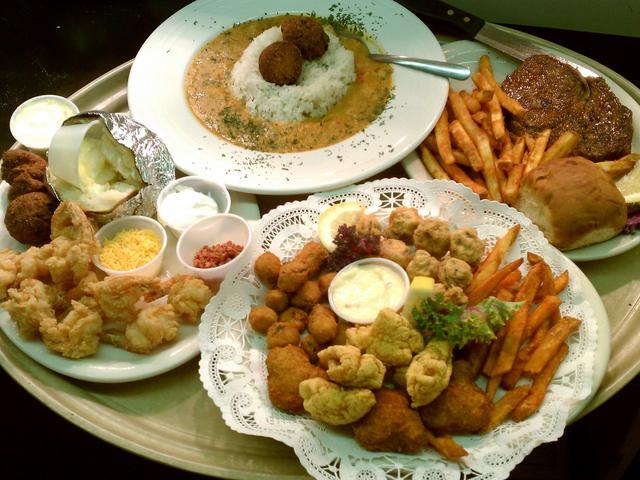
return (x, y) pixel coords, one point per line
(286, 368)
(292, 276)
(307, 34)
(433, 236)
(281, 63)
(308, 295)
(262, 317)
(322, 324)
(280, 334)
(267, 268)
(314, 256)
(25, 183)
(396, 251)
(311, 347)
(324, 281)
(295, 316)
(276, 300)
(461, 408)
(28, 218)
(391, 425)
(16, 162)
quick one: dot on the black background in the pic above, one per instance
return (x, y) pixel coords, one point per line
(58, 47)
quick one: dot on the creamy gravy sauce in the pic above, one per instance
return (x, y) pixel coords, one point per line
(208, 90)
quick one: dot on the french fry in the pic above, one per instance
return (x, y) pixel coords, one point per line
(547, 286)
(460, 158)
(492, 386)
(464, 142)
(530, 141)
(530, 284)
(446, 446)
(512, 339)
(514, 180)
(431, 142)
(494, 259)
(543, 311)
(556, 335)
(443, 140)
(534, 258)
(483, 289)
(503, 407)
(504, 295)
(510, 282)
(561, 282)
(534, 399)
(497, 119)
(518, 150)
(431, 164)
(508, 103)
(457, 174)
(505, 160)
(483, 96)
(619, 168)
(561, 147)
(510, 379)
(494, 351)
(535, 157)
(481, 141)
(477, 354)
(472, 103)
(484, 86)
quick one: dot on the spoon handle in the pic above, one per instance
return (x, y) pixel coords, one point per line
(444, 69)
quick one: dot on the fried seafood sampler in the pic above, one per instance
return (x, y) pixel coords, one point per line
(432, 235)
(188, 296)
(332, 404)
(461, 408)
(390, 338)
(391, 425)
(287, 367)
(347, 366)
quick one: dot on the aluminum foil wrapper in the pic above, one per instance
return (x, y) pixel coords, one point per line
(152, 158)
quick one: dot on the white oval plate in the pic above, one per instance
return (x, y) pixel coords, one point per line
(468, 53)
(157, 98)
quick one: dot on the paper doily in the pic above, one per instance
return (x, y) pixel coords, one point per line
(233, 371)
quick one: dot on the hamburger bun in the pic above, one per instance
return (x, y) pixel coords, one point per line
(573, 202)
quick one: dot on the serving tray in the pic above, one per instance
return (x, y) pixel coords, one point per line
(171, 419)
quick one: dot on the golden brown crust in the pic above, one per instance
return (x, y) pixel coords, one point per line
(573, 201)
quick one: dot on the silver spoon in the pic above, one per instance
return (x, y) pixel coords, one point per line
(443, 69)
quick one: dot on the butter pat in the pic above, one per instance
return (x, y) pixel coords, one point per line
(87, 165)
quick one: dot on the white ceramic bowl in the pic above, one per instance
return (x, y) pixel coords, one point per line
(150, 269)
(216, 190)
(212, 230)
(364, 314)
(36, 120)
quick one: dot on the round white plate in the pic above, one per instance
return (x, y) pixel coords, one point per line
(468, 53)
(109, 364)
(232, 366)
(157, 98)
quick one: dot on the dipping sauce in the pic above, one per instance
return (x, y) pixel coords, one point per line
(184, 206)
(130, 249)
(360, 290)
(216, 255)
(34, 123)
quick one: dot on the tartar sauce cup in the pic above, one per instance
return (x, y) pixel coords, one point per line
(36, 120)
(150, 269)
(361, 289)
(179, 215)
(210, 231)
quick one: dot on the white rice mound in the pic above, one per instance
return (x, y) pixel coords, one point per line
(322, 83)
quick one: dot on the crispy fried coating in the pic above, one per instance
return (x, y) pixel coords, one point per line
(368, 225)
(307, 33)
(18, 161)
(28, 305)
(8, 271)
(391, 425)
(324, 281)
(188, 296)
(287, 367)
(467, 246)
(454, 272)
(332, 404)
(423, 265)
(292, 276)
(322, 324)
(28, 218)
(403, 221)
(267, 268)
(280, 334)
(348, 367)
(280, 63)
(461, 408)
(154, 326)
(311, 347)
(429, 372)
(262, 317)
(308, 295)
(391, 338)
(450, 294)
(314, 256)
(25, 183)
(295, 316)
(396, 251)
(117, 296)
(276, 300)
(433, 236)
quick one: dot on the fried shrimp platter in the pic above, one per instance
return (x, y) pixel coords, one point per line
(54, 294)
(458, 358)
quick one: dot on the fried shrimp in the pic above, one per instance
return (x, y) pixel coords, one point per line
(69, 221)
(117, 296)
(28, 305)
(77, 335)
(188, 296)
(8, 271)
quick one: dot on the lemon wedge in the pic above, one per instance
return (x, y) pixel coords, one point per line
(345, 213)
(420, 289)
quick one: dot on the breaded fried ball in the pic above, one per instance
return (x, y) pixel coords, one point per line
(277, 300)
(261, 318)
(467, 246)
(368, 225)
(267, 268)
(295, 316)
(307, 33)
(396, 251)
(280, 63)
(311, 347)
(280, 334)
(28, 218)
(324, 281)
(453, 272)
(423, 265)
(403, 221)
(314, 256)
(25, 183)
(308, 295)
(433, 236)
(17, 161)
(322, 324)
(292, 275)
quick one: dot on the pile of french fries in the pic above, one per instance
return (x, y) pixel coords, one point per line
(471, 144)
(528, 350)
